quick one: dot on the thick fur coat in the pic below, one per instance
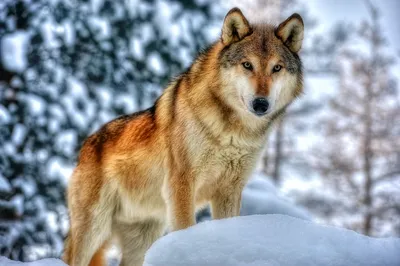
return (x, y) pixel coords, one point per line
(197, 145)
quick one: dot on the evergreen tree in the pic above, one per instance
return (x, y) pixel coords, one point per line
(360, 154)
(80, 64)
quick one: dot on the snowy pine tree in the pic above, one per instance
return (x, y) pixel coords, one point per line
(66, 68)
(31, 200)
(360, 156)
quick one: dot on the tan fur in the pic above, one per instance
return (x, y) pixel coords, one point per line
(142, 173)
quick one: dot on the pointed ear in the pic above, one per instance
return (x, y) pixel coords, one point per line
(235, 27)
(291, 32)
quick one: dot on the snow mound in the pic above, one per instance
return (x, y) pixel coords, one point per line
(271, 240)
(13, 49)
(45, 262)
(260, 196)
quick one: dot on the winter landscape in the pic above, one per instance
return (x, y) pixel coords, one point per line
(327, 187)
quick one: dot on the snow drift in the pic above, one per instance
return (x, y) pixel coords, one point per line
(271, 240)
(260, 196)
(45, 262)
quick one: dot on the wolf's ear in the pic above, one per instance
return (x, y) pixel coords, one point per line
(291, 32)
(235, 27)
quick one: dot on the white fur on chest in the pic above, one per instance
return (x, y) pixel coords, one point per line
(216, 162)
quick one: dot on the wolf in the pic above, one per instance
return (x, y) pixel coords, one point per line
(145, 172)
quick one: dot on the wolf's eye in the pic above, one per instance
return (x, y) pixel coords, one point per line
(277, 68)
(247, 65)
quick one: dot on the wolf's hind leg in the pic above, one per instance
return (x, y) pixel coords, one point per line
(136, 238)
(90, 230)
(87, 239)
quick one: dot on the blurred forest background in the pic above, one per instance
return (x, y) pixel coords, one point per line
(68, 66)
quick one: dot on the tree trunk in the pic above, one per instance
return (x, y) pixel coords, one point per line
(367, 157)
(368, 153)
(368, 181)
(276, 175)
(265, 161)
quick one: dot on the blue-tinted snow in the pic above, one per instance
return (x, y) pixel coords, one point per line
(156, 64)
(36, 104)
(127, 101)
(9, 148)
(46, 262)
(136, 48)
(261, 197)
(58, 168)
(48, 29)
(17, 202)
(260, 182)
(65, 141)
(18, 134)
(4, 115)
(26, 184)
(78, 109)
(101, 27)
(4, 184)
(271, 240)
(13, 49)
(69, 33)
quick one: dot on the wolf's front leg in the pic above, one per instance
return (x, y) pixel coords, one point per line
(226, 202)
(180, 201)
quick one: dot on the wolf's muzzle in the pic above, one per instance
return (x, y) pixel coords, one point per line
(260, 106)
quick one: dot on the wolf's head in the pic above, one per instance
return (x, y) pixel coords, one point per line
(259, 64)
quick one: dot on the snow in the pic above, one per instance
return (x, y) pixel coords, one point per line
(165, 16)
(156, 64)
(69, 33)
(4, 115)
(66, 141)
(271, 240)
(57, 168)
(4, 184)
(37, 105)
(137, 49)
(49, 30)
(18, 134)
(17, 202)
(76, 105)
(13, 50)
(45, 262)
(27, 185)
(101, 27)
(260, 182)
(261, 197)
(262, 203)
(126, 101)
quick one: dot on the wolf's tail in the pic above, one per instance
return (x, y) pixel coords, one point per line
(66, 257)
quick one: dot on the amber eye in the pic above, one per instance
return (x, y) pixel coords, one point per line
(277, 68)
(247, 65)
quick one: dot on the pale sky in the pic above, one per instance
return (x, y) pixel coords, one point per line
(328, 12)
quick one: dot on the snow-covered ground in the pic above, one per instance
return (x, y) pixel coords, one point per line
(271, 240)
(45, 262)
(260, 196)
(281, 236)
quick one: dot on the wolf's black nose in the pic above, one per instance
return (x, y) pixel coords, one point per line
(260, 106)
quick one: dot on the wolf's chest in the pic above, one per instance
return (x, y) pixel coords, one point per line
(221, 167)
(227, 156)
(217, 161)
